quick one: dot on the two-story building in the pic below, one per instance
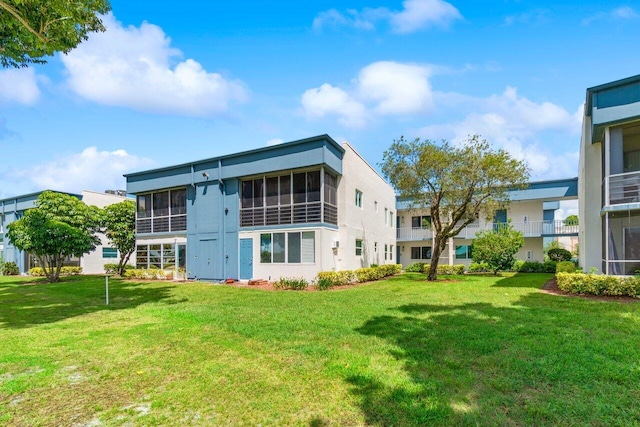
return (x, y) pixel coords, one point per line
(609, 171)
(530, 211)
(292, 209)
(12, 209)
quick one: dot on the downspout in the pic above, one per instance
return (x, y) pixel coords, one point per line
(224, 220)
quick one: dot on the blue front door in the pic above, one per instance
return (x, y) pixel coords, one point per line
(207, 262)
(246, 259)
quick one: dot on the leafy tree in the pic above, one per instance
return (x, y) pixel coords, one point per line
(571, 220)
(559, 254)
(456, 183)
(33, 29)
(119, 221)
(498, 247)
(58, 227)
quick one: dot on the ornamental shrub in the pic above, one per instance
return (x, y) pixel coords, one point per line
(10, 269)
(518, 265)
(64, 271)
(292, 283)
(598, 284)
(565, 267)
(559, 254)
(416, 267)
(337, 278)
(479, 267)
(113, 268)
(549, 266)
(322, 284)
(368, 274)
(148, 274)
(531, 267)
(449, 269)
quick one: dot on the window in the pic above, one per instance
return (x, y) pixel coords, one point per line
(463, 252)
(375, 206)
(390, 252)
(421, 252)
(295, 247)
(385, 252)
(162, 256)
(375, 247)
(359, 198)
(421, 221)
(109, 253)
(390, 219)
(162, 211)
(386, 213)
(293, 198)
(358, 247)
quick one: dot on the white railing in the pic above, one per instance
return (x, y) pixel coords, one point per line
(528, 229)
(624, 188)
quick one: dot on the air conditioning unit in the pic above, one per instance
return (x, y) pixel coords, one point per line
(335, 244)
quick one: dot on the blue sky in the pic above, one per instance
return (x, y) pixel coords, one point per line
(170, 83)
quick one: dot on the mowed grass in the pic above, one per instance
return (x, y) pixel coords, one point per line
(466, 351)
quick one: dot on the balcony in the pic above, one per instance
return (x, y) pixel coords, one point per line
(528, 229)
(623, 188)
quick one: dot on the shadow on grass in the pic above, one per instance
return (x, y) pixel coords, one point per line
(540, 361)
(35, 302)
(523, 280)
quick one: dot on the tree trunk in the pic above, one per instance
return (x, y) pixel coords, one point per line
(435, 259)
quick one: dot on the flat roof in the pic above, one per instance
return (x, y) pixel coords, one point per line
(610, 85)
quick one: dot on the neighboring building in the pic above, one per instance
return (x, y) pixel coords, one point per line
(609, 172)
(12, 209)
(292, 209)
(531, 211)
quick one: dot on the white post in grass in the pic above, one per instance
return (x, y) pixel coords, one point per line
(106, 280)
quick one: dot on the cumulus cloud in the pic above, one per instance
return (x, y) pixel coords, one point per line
(382, 88)
(134, 67)
(414, 16)
(19, 86)
(518, 125)
(90, 169)
(622, 12)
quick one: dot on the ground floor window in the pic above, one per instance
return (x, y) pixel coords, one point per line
(463, 252)
(109, 253)
(291, 247)
(421, 252)
(358, 247)
(162, 256)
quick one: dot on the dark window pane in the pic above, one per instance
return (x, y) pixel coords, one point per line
(258, 193)
(426, 252)
(161, 203)
(285, 190)
(179, 202)
(247, 194)
(144, 206)
(272, 191)
(415, 221)
(299, 187)
(278, 247)
(330, 186)
(294, 247)
(313, 186)
(415, 253)
(265, 248)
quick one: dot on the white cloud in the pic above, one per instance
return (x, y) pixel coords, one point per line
(622, 12)
(19, 85)
(89, 170)
(415, 15)
(381, 88)
(418, 14)
(132, 67)
(329, 100)
(518, 125)
(275, 141)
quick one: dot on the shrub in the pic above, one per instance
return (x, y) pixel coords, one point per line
(113, 268)
(518, 265)
(337, 278)
(293, 283)
(599, 284)
(559, 254)
(322, 284)
(565, 267)
(10, 269)
(390, 269)
(479, 267)
(148, 274)
(416, 267)
(368, 274)
(64, 271)
(531, 267)
(449, 269)
(549, 266)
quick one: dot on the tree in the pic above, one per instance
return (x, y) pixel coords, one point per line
(497, 247)
(33, 29)
(571, 220)
(119, 221)
(456, 183)
(58, 227)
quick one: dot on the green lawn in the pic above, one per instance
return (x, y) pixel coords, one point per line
(478, 351)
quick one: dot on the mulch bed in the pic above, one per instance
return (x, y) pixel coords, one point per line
(551, 287)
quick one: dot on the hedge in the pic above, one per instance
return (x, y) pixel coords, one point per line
(566, 267)
(148, 274)
(64, 271)
(448, 269)
(336, 278)
(113, 268)
(292, 283)
(328, 279)
(598, 284)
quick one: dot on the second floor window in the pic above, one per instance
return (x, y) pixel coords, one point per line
(162, 211)
(359, 198)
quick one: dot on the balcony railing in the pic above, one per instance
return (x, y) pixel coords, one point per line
(528, 229)
(624, 188)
